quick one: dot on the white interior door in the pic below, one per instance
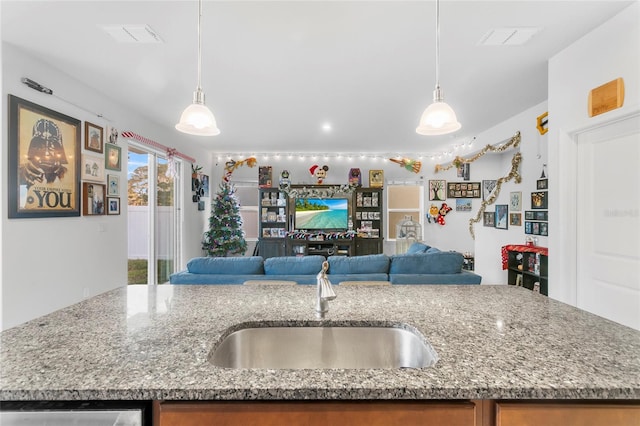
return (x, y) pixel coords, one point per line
(608, 221)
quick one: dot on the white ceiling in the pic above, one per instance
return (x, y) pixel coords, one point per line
(274, 72)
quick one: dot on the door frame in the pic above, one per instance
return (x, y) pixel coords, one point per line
(563, 269)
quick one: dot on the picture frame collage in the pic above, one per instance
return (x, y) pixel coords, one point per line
(536, 220)
(76, 183)
(101, 159)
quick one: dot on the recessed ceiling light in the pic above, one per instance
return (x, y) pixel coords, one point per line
(326, 127)
(132, 33)
(508, 36)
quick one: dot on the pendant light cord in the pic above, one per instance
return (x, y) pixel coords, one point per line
(437, 44)
(199, 88)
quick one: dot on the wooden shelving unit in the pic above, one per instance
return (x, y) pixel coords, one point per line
(528, 266)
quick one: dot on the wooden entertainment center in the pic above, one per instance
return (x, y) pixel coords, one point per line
(360, 231)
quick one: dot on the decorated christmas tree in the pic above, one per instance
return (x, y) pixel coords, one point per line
(225, 235)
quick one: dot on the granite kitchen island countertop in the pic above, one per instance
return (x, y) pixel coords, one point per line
(153, 342)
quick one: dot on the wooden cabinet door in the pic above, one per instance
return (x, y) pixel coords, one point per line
(315, 413)
(567, 414)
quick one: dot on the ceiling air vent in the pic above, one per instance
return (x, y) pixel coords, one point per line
(134, 33)
(508, 36)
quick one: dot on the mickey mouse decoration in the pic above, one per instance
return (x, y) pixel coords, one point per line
(444, 209)
(319, 172)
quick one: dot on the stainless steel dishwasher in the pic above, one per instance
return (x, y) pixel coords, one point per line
(86, 413)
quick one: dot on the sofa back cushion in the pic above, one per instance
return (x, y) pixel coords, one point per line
(418, 248)
(369, 264)
(293, 265)
(446, 262)
(249, 265)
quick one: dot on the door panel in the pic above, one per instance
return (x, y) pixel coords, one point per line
(608, 224)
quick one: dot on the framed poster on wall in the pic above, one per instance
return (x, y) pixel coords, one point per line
(44, 162)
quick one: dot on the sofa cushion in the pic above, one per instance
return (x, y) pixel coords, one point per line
(369, 264)
(463, 277)
(432, 250)
(186, 277)
(426, 263)
(417, 248)
(249, 265)
(293, 265)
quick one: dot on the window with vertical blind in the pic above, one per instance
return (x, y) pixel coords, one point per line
(403, 200)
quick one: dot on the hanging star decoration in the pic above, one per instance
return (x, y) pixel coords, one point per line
(409, 164)
(231, 166)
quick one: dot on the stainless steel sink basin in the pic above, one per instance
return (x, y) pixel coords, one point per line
(323, 348)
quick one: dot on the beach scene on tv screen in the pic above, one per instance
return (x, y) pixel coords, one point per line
(321, 213)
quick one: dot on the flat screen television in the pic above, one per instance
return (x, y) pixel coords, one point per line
(328, 214)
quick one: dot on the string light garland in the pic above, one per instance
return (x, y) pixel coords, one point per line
(347, 156)
(514, 142)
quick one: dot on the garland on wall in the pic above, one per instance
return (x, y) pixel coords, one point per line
(325, 192)
(514, 173)
(458, 161)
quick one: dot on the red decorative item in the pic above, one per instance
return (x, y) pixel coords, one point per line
(444, 209)
(522, 249)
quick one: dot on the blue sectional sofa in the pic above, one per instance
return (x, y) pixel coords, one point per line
(421, 265)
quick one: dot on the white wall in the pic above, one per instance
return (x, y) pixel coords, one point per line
(51, 263)
(608, 52)
(533, 148)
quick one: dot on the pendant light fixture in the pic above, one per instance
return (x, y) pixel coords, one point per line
(439, 118)
(197, 119)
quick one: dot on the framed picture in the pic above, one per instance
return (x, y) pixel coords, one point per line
(544, 229)
(488, 187)
(542, 184)
(113, 205)
(93, 199)
(515, 219)
(113, 185)
(489, 219)
(205, 185)
(464, 171)
(463, 189)
(437, 190)
(515, 201)
(112, 157)
(541, 215)
(38, 186)
(376, 178)
(535, 228)
(93, 137)
(527, 228)
(539, 200)
(463, 205)
(92, 168)
(201, 207)
(529, 215)
(112, 135)
(502, 216)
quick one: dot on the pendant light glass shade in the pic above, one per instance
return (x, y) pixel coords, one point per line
(197, 119)
(439, 118)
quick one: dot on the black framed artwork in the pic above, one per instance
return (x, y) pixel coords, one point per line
(44, 162)
(539, 200)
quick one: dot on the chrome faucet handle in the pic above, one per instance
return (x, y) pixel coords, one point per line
(325, 289)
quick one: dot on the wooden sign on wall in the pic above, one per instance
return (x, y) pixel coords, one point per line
(607, 97)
